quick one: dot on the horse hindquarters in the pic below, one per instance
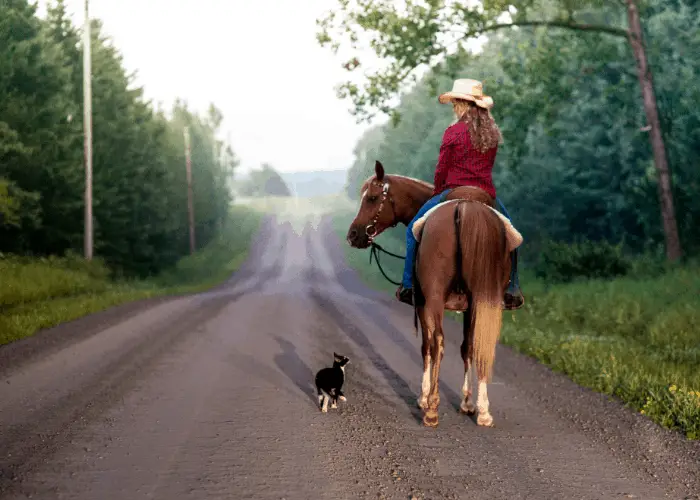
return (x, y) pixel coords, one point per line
(483, 263)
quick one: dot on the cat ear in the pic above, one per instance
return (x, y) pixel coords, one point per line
(336, 355)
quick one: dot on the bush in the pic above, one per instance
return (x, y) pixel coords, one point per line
(564, 262)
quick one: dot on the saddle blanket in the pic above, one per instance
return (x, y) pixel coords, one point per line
(513, 236)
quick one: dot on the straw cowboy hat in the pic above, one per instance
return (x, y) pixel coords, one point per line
(467, 89)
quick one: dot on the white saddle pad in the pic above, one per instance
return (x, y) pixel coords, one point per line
(513, 236)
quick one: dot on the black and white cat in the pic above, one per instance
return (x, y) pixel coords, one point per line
(329, 383)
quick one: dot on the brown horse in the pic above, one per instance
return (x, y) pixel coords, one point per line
(462, 263)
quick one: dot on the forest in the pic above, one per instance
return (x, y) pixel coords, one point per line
(606, 303)
(139, 184)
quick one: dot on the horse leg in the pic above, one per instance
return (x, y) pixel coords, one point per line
(487, 320)
(425, 351)
(434, 313)
(467, 350)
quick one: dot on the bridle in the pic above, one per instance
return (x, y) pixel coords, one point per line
(371, 230)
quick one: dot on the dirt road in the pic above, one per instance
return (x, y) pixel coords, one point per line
(210, 396)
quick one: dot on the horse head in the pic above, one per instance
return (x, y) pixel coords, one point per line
(376, 213)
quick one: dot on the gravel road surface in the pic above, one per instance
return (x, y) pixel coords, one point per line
(211, 396)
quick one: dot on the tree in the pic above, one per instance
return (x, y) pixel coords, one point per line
(265, 182)
(139, 165)
(421, 34)
(35, 132)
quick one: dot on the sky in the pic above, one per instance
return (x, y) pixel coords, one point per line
(257, 60)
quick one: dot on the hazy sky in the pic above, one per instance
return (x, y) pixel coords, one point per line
(257, 60)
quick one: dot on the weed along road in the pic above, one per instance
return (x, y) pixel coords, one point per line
(211, 396)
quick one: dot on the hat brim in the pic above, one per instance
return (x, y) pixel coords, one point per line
(485, 102)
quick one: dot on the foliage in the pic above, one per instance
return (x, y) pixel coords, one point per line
(139, 186)
(415, 35)
(264, 182)
(561, 262)
(38, 293)
(633, 338)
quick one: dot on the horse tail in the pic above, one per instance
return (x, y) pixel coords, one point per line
(482, 254)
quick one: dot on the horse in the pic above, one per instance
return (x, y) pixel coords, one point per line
(462, 264)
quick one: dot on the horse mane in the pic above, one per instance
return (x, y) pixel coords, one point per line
(391, 177)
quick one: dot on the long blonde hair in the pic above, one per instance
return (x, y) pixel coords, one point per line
(483, 130)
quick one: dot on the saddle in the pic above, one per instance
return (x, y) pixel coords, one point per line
(457, 300)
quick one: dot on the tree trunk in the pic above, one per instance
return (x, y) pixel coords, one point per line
(668, 214)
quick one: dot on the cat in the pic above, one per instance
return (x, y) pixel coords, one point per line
(329, 383)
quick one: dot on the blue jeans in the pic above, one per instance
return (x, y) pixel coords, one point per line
(407, 281)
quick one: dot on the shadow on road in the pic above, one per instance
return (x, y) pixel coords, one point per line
(395, 381)
(295, 368)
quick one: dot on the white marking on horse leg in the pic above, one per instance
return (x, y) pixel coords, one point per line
(467, 405)
(482, 404)
(425, 385)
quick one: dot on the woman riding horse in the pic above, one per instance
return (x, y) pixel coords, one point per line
(467, 155)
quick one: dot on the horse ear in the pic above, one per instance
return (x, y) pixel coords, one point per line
(379, 170)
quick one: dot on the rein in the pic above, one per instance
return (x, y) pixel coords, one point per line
(373, 251)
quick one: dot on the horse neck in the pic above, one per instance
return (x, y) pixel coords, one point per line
(409, 197)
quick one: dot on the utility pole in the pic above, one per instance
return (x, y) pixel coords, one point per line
(190, 202)
(87, 129)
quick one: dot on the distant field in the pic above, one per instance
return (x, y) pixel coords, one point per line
(298, 211)
(41, 293)
(636, 339)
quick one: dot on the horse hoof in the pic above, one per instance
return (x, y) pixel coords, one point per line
(422, 404)
(324, 410)
(430, 419)
(485, 420)
(343, 398)
(467, 409)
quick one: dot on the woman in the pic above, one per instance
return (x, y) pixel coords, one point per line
(467, 155)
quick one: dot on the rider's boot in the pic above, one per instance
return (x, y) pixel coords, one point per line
(513, 298)
(405, 295)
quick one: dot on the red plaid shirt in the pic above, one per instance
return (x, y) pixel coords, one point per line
(460, 164)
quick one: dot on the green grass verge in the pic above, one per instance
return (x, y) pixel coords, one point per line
(41, 293)
(634, 338)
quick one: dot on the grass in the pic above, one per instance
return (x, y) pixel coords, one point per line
(635, 338)
(41, 293)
